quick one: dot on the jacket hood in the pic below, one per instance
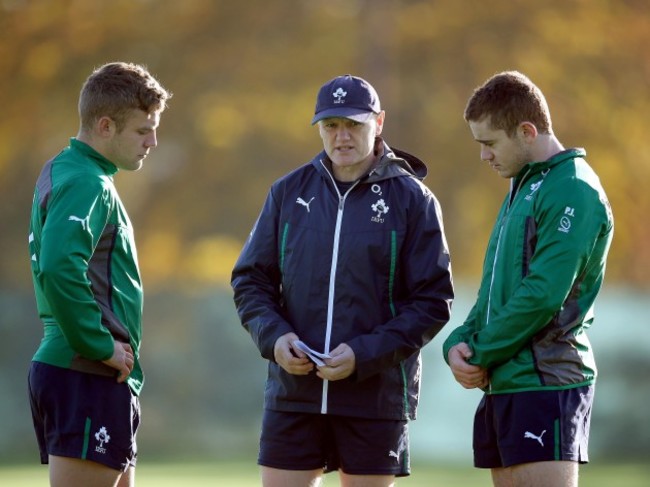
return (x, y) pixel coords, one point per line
(393, 163)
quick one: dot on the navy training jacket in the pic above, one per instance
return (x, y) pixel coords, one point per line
(369, 268)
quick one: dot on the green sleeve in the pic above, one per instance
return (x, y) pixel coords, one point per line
(567, 230)
(77, 213)
(460, 334)
(463, 333)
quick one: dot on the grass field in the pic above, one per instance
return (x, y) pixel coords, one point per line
(241, 474)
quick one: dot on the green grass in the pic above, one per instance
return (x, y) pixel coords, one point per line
(245, 474)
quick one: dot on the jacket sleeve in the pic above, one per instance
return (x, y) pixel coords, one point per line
(463, 333)
(256, 282)
(567, 230)
(460, 334)
(424, 306)
(76, 216)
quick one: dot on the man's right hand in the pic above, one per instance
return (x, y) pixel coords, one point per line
(467, 375)
(122, 360)
(289, 358)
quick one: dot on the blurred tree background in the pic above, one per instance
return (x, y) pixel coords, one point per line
(244, 77)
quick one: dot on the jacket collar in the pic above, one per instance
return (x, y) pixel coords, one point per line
(536, 167)
(556, 159)
(107, 166)
(392, 163)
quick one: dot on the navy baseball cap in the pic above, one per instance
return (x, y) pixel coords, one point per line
(346, 96)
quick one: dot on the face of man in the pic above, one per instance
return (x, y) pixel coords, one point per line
(128, 147)
(506, 155)
(350, 145)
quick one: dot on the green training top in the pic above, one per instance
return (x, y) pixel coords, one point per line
(84, 265)
(543, 269)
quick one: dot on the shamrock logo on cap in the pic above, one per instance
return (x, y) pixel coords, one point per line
(339, 94)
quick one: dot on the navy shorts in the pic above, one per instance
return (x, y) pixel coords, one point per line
(81, 415)
(357, 446)
(534, 426)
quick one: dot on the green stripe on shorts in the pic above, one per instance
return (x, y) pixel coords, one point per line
(84, 450)
(558, 439)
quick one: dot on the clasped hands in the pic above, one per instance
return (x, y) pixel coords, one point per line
(467, 375)
(294, 361)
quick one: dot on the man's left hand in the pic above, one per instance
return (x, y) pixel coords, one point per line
(340, 366)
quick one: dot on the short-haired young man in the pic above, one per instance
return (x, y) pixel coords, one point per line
(85, 377)
(524, 342)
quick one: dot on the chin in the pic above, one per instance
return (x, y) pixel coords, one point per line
(134, 166)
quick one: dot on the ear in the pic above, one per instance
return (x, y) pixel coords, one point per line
(527, 131)
(380, 122)
(105, 127)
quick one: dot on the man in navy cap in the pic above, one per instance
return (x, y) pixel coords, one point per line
(344, 278)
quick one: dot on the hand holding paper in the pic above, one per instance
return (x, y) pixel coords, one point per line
(313, 355)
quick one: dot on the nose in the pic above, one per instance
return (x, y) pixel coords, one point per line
(151, 140)
(486, 153)
(343, 133)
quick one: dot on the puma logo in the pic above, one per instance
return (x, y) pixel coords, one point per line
(84, 221)
(304, 203)
(401, 447)
(530, 435)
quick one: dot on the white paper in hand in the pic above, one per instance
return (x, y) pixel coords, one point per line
(313, 355)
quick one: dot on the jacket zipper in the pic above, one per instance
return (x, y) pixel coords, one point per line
(513, 192)
(330, 296)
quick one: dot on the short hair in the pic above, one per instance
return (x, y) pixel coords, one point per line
(115, 89)
(509, 98)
